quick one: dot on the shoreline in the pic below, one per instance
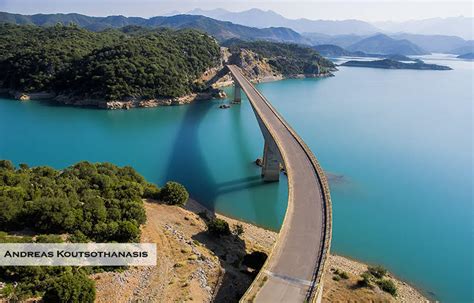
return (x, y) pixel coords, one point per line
(215, 92)
(421, 291)
(70, 100)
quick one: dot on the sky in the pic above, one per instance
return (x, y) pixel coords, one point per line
(381, 10)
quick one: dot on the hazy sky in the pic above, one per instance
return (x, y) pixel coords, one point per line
(313, 9)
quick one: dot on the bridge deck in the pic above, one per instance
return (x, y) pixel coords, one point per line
(294, 268)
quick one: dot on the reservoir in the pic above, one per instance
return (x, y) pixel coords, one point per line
(396, 144)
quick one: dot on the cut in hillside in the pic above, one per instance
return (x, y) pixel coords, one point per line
(287, 59)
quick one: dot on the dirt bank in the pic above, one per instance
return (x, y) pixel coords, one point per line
(193, 266)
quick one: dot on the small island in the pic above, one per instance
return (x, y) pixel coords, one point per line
(392, 64)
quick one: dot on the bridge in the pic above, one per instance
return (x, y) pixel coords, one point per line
(293, 271)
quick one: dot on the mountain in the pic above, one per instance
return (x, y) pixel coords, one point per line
(452, 26)
(469, 56)
(259, 18)
(383, 44)
(468, 47)
(339, 40)
(330, 50)
(219, 29)
(433, 43)
(430, 43)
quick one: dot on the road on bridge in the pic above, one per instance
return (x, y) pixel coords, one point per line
(293, 271)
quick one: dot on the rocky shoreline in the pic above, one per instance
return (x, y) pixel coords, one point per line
(258, 71)
(125, 104)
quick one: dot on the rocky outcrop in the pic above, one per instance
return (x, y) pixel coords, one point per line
(254, 66)
(21, 96)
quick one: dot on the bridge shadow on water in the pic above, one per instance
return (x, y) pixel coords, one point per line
(187, 164)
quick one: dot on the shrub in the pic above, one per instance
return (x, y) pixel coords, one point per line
(377, 271)
(218, 227)
(174, 193)
(238, 229)
(6, 164)
(77, 288)
(343, 275)
(365, 281)
(387, 286)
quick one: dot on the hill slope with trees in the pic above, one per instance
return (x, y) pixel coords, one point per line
(288, 59)
(108, 65)
(82, 203)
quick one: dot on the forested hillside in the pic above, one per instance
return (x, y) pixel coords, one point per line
(82, 203)
(111, 65)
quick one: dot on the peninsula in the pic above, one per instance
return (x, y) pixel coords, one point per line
(135, 66)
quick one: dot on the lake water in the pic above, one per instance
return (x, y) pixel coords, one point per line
(399, 143)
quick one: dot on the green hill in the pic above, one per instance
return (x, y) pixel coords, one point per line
(108, 65)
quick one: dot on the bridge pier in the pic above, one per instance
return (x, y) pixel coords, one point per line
(237, 93)
(271, 161)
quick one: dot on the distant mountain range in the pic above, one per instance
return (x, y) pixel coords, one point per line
(261, 19)
(428, 43)
(432, 35)
(330, 50)
(219, 29)
(453, 26)
(371, 42)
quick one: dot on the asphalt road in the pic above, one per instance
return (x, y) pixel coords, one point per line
(297, 255)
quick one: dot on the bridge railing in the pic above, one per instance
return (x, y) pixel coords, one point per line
(319, 271)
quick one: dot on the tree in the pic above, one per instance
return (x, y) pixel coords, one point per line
(151, 191)
(71, 288)
(238, 229)
(128, 232)
(174, 193)
(6, 164)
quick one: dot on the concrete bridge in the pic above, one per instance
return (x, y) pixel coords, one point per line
(293, 271)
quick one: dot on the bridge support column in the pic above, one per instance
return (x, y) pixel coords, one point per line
(237, 93)
(271, 161)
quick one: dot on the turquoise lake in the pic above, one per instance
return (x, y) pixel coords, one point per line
(399, 143)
